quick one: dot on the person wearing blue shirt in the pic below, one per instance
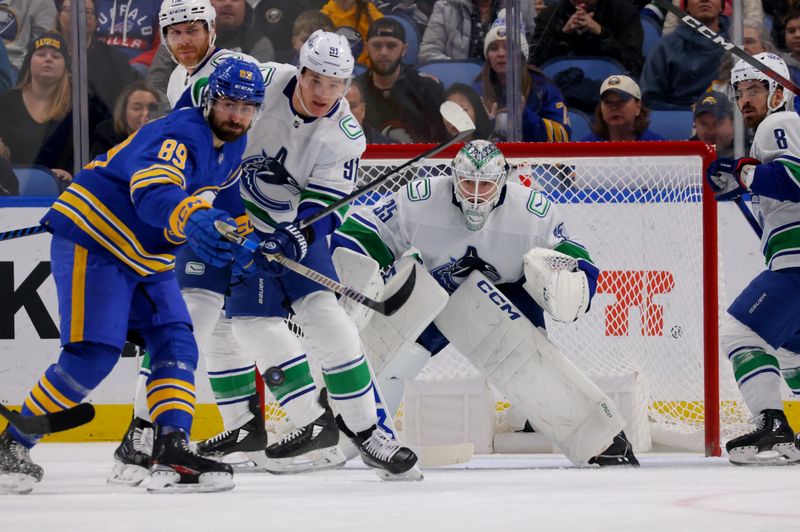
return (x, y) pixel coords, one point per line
(116, 230)
(621, 115)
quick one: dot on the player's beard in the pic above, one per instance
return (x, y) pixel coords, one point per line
(385, 71)
(226, 131)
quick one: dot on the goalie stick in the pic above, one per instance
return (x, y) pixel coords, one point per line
(387, 307)
(717, 39)
(451, 112)
(48, 423)
(25, 231)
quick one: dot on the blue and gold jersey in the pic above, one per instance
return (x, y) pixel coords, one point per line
(133, 201)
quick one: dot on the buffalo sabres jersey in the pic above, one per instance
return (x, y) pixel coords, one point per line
(180, 79)
(295, 166)
(776, 188)
(424, 217)
(131, 202)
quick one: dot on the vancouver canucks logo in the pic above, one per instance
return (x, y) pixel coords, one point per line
(480, 153)
(461, 268)
(259, 171)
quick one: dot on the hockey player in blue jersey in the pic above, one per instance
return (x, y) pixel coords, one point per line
(761, 331)
(115, 232)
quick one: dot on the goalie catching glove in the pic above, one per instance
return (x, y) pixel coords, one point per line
(556, 284)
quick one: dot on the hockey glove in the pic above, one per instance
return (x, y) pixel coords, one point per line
(211, 247)
(730, 178)
(287, 240)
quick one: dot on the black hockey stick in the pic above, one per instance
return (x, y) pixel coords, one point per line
(748, 215)
(716, 38)
(452, 113)
(387, 307)
(56, 422)
(25, 231)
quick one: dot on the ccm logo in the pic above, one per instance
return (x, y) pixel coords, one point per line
(635, 289)
(498, 299)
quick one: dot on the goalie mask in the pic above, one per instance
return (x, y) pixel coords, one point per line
(743, 71)
(479, 175)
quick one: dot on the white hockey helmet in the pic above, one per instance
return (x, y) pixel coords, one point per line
(180, 11)
(328, 54)
(743, 71)
(479, 162)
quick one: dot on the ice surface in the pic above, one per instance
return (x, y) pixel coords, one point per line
(491, 493)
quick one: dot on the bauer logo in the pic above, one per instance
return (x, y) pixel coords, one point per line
(635, 290)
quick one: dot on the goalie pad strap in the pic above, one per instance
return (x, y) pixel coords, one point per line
(522, 363)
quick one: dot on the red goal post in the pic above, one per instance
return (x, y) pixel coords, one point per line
(591, 178)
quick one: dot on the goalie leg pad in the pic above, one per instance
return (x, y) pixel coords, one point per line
(383, 336)
(521, 362)
(361, 273)
(556, 284)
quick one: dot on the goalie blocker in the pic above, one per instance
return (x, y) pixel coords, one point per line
(523, 364)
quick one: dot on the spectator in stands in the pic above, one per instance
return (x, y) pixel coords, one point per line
(130, 26)
(357, 14)
(37, 115)
(621, 115)
(9, 184)
(417, 11)
(6, 70)
(683, 64)
(22, 21)
(753, 10)
(713, 122)
(466, 98)
(307, 23)
(457, 28)
(276, 18)
(401, 103)
(355, 98)
(108, 70)
(137, 104)
(235, 31)
(791, 23)
(755, 40)
(610, 28)
(544, 115)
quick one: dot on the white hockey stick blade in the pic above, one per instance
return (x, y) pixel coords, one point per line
(445, 455)
(457, 117)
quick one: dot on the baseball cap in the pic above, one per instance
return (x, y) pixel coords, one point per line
(713, 102)
(387, 27)
(622, 85)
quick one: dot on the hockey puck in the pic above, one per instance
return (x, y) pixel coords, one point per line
(274, 376)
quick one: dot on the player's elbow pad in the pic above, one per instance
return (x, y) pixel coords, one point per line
(555, 282)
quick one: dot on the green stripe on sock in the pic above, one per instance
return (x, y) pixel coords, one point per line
(749, 361)
(349, 381)
(146, 360)
(294, 378)
(233, 385)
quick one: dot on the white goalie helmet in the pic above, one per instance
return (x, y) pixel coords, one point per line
(743, 71)
(479, 175)
(328, 54)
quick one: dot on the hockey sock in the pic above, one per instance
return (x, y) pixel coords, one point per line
(758, 376)
(296, 394)
(140, 408)
(792, 378)
(350, 385)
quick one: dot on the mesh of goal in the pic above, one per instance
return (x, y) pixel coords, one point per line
(641, 218)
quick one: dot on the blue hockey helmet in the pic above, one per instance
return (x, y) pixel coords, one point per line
(235, 79)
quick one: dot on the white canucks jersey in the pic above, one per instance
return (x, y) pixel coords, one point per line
(424, 218)
(180, 79)
(777, 139)
(294, 164)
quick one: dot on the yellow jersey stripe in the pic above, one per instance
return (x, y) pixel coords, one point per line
(45, 401)
(166, 173)
(58, 396)
(178, 383)
(78, 306)
(169, 393)
(176, 405)
(33, 407)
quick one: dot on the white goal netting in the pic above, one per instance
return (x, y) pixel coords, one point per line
(641, 217)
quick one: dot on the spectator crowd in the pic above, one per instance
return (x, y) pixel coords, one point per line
(411, 56)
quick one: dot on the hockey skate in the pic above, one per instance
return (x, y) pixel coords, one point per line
(132, 457)
(313, 447)
(249, 438)
(18, 473)
(771, 443)
(177, 469)
(619, 453)
(389, 459)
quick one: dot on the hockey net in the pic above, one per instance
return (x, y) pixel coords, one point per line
(650, 339)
